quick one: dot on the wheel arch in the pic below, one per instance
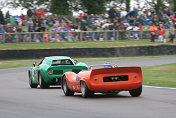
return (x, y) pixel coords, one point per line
(62, 80)
(82, 80)
(70, 77)
(38, 75)
(42, 74)
(29, 73)
(86, 81)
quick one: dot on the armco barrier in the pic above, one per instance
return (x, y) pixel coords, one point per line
(90, 52)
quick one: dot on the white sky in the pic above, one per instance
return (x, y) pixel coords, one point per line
(14, 12)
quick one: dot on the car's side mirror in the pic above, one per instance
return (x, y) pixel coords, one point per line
(34, 64)
(75, 61)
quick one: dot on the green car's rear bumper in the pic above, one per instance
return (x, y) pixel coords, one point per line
(54, 74)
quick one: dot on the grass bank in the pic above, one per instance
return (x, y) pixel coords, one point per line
(4, 64)
(161, 75)
(98, 44)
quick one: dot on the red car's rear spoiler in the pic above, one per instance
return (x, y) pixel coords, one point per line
(116, 70)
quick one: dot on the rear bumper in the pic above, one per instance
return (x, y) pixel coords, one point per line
(53, 80)
(121, 86)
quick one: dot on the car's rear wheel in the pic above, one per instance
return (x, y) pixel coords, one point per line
(30, 82)
(42, 83)
(85, 90)
(136, 92)
(65, 88)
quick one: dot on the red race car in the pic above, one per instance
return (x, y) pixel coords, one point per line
(104, 80)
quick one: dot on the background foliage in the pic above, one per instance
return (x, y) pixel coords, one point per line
(65, 7)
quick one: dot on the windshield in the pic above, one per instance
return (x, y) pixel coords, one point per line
(62, 62)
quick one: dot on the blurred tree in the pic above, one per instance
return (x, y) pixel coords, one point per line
(156, 4)
(172, 4)
(29, 3)
(60, 7)
(128, 5)
(122, 4)
(94, 6)
(55, 6)
(63, 7)
(2, 21)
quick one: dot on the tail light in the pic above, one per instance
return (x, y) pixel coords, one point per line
(50, 72)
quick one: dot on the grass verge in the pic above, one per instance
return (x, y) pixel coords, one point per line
(104, 44)
(161, 75)
(5, 64)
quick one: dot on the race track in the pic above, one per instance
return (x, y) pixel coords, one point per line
(18, 100)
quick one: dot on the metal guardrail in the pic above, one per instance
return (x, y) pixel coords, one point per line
(75, 36)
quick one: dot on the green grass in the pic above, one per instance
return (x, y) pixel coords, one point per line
(161, 75)
(106, 44)
(4, 64)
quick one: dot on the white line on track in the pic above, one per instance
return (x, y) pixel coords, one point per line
(158, 87)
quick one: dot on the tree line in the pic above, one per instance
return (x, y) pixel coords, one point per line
(65, 7)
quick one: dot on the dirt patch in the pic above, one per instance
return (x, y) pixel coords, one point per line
(0, 63)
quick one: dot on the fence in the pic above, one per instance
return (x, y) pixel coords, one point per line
(75, 36)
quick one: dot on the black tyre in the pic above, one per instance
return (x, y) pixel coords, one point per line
(30, 81)
(85, 90)
(136, 92)
(42, 83)
(65, 88)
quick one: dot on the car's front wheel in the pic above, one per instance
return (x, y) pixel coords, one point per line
(65, 88)
(85, 90)
(30, 82)
(42, 83)
(136, 92)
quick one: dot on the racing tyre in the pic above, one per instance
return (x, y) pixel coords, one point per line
(42, 83)
(85, 90)
(136, 92)
(65, 88)
(30, 82)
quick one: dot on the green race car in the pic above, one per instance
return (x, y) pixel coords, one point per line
(50, 70)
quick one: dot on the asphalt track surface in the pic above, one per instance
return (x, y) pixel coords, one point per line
(17, 100)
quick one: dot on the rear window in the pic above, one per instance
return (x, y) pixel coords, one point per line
(62, 62)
